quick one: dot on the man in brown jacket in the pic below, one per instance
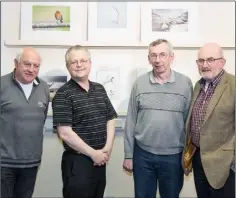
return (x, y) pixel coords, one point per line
(210, 127)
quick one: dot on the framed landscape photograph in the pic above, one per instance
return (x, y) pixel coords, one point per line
(55, 78)
(113, 22)
(53, 21)
(177, 22)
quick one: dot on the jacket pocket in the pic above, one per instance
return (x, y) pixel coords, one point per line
(227, 149)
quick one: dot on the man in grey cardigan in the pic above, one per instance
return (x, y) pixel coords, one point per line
(24, 105)
(154, 133)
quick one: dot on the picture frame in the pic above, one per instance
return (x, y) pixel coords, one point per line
(113, 22)
(110, 79)
(177, 22)
(53, 21)
(55, 78)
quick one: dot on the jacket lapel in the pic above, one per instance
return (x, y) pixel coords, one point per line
(195, 95)
(220, 88)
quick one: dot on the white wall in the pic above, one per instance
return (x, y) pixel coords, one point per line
(217, 23)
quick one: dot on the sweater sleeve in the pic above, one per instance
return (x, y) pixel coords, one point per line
(130, 124)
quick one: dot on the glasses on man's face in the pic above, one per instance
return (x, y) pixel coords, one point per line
(28, 65)
(209, 61)
(77, 62)
(161, 56)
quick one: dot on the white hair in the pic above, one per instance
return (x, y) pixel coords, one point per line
(19, 56)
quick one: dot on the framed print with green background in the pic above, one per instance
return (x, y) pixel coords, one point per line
(53, 21)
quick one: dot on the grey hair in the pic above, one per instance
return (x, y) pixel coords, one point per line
(19, 56)
(76, 48)
(160, 41)
(25, 50)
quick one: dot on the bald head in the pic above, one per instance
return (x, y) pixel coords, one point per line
(28, 51)
(210, 50)
(210, 60)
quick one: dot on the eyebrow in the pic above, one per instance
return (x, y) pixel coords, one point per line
(207, 57)
(159, 53)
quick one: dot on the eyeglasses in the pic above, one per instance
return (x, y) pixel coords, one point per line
(77, 62)
(161, 56)
(208, 60)
(28, 65)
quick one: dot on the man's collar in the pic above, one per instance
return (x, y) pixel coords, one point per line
(170, 80)
(36, 81)
(91, 84)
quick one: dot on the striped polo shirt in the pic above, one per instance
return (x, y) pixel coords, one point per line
(86, 112)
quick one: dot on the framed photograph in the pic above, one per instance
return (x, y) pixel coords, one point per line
(53, 21)
(110, 79)
(113, 22)
(177, 22)
(55, 78)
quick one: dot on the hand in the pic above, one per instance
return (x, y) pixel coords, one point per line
(128, 165)
(107, 151)
(186, 171)
(99, 157)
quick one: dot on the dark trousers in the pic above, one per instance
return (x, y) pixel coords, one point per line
(18, 182)
(148, 168)
(81, 179)
(203, 188)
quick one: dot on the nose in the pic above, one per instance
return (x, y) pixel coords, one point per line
(79, 64)
(158, 59)
(205, 63)
(31, 68)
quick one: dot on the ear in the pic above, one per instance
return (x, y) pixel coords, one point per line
(15, 62)
(90, 63)
(149, 60)
(223, 61)
(172, 57)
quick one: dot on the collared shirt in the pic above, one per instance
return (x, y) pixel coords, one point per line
(27, 88)
(200, 107)
(22, 121)
(170, 80)
(157, 113)
(86, 112)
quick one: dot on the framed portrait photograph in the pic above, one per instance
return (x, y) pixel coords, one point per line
(177, 22)
(113, 22)
(54, 21)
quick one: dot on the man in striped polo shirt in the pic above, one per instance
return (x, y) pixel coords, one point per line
(154, 132)
(84, 118)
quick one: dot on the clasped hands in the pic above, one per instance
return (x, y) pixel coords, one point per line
(100, 157)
